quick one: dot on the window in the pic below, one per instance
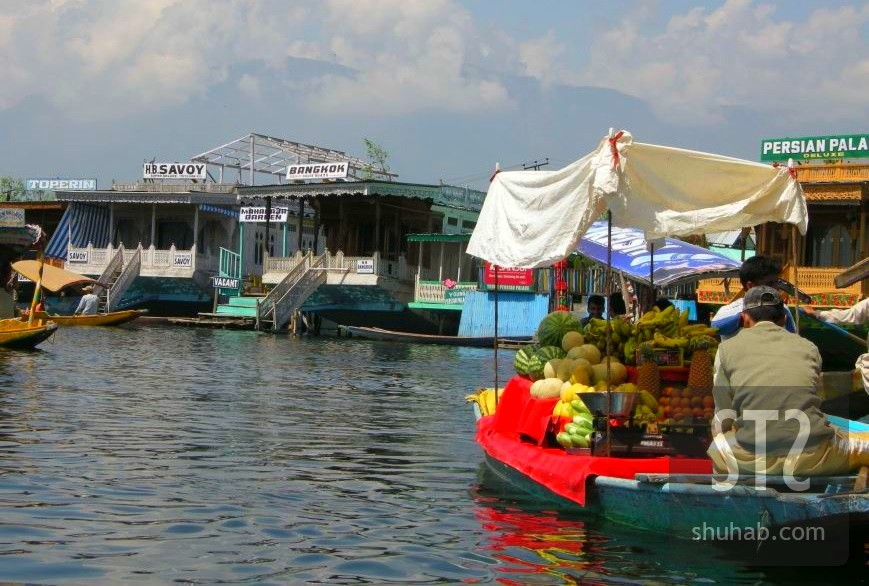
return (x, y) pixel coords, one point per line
(468, 224)
(452, 221)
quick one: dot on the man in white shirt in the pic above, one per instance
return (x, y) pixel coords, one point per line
(856, 315)
(89, 303)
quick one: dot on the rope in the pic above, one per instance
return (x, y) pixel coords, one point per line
(613, 148)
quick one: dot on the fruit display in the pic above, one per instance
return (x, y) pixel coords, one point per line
(577, 433)
(485, 398)
(684, 405)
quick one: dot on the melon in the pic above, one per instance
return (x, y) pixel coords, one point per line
(590, 352)
(618, 372)
(535, 367)
(564, 369)
(548, 388)
(572, 340)
(551, 367)
(552, 328)
(581, 373)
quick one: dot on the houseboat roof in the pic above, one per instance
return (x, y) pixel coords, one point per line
(438, 237)
(156, 193)
(444, 195)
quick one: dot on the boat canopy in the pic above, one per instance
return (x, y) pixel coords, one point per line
(534, 218)
(53, 278)
(675, 261)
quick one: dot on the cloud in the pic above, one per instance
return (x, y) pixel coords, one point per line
(739, 54)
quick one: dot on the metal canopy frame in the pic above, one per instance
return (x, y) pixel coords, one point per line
(260, 153)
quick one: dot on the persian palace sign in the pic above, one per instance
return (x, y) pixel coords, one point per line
(174, 171)
(850, 146)
(318, 171)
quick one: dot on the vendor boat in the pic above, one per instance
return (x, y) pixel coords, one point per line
(676, 495)
(22, 335)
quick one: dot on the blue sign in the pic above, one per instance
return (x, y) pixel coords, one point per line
(674, 262)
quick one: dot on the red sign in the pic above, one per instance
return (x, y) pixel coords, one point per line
(508, 276)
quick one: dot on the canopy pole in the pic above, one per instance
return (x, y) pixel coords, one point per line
(37, 289)
(652, 272)
(608, 288)
(496, 337)
(796, 263)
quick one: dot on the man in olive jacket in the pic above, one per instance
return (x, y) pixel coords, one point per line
(767, 404)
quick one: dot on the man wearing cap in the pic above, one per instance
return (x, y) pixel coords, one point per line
(766, 400)
(89, 303)
(757, 270)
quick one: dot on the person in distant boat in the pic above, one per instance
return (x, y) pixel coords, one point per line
(767, 407)
(89, 303)
(594, 307)
(756, 271)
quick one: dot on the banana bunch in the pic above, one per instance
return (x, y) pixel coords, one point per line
(596, 331)
(485, 398)
(668, 329)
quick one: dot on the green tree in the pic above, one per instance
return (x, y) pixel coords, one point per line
(378, 159)
(11, 188)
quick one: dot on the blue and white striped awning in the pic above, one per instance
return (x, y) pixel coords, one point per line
(205, 207)
(81, 224)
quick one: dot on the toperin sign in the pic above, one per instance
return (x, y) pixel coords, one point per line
(336, 170)
(174, 171)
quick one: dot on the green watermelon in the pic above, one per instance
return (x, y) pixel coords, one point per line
(553, 327)
(535, 367)
(523, 358)
(547, 353)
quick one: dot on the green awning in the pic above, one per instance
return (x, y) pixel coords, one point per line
(438, 237)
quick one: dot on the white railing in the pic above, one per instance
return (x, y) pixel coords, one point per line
(362, 265)
(154, 262)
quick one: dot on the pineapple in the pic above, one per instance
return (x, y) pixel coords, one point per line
(700, 372)
(648, 375)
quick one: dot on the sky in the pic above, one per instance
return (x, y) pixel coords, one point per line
(92, 88)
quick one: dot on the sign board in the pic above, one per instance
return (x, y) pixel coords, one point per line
(365, 266)
(456, 295)
(174, 171)
(11, 217)
(849, 146)
(226, 283)
(336, 170)
(77, 255)
(508, 276)
(61, 184)
(182, 260)
(258, 214)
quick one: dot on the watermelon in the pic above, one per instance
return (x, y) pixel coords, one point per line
(552, 328)
(523, 358)
(547, 353)
(535, 367)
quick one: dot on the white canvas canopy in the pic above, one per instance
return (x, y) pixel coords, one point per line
(534, 218)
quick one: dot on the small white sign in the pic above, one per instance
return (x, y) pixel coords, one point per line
(62, 184)
(365, 266)
(182, 260)
(174, 171)
(258, 214)
(226, 283)
(77, 256)
(337, 170)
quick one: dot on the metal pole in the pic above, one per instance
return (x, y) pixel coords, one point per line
(252, 144)
(268, 227)
(153, 221)
(608, 289)
(496, 335)
(301, 219)
(652, 272)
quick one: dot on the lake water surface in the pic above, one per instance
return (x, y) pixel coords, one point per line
(153, 454)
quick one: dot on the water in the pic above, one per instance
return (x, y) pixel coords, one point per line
(157, 454)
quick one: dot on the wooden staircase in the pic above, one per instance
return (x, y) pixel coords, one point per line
(286, 299)
(117, 276)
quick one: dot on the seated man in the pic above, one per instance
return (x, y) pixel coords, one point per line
(767, 403)
(594, 307)
(757, 270)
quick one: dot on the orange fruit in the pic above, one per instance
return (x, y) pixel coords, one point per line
(686, 392)
(696, 401)
(685, 402)
(708, 401)
(664, 401)
(697, 412)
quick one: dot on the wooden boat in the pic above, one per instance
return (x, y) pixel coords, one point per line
(663, 499)
(113, 318)
(15, 333)
(393, 336)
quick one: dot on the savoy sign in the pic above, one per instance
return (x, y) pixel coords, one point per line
(174, 171)
(850, 146)
(336, 170)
